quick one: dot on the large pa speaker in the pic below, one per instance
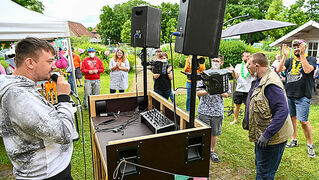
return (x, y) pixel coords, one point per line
(200, 24)
(146, 27)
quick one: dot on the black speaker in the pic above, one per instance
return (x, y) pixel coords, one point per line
(200, 24)
(146, 27)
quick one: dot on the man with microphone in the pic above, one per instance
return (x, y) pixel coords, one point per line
(37, 135)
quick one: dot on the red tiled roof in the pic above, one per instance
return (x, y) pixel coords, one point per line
(94, 30)
(79, 30)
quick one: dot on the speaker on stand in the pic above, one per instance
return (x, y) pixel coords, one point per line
(200, 26)
(145, 33)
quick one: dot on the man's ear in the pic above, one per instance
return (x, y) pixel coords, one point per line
(29, 62)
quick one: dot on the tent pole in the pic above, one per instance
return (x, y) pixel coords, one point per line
(75, 87)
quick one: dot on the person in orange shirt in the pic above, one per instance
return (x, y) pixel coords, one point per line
(77, 65)
(188, 69)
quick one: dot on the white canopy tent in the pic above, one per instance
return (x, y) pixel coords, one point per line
(17, 22)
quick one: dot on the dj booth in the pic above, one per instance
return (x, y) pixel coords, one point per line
(145, 138)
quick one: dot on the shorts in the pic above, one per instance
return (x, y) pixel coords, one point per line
(214, 122)
(78, 73)
(299, 107)
(240, 97)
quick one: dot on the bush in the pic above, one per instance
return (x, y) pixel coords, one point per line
(271, 56)
(179, 59)
(232, 50)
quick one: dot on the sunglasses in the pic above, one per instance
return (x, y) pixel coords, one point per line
(297, 42)
(215, 60)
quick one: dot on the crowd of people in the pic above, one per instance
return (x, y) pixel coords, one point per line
(40, 134)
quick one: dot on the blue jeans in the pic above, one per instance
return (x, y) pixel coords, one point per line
(91, 87)
(267, 160)
(165, 93)
(171, 96)
(188, 98)
(70, 80)
(299, 107)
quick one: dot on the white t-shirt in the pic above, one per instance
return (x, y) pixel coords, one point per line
(275, 65)
(243, 84)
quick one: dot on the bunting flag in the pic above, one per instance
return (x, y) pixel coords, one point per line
(199, 178)
(181, 177)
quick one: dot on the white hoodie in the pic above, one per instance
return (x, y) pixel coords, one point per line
(37, 135)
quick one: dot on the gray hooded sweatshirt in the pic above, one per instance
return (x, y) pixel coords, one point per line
(36, 134)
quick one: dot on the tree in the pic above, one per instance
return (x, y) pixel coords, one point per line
(312, 7)
(169, 11)
(90, 29)
(112, 20)
(170, 28)
(295, 14)
(257, 9)
(126, 32)
(33, 5)
(275, 12)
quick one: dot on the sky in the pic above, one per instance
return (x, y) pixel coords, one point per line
(87, 12)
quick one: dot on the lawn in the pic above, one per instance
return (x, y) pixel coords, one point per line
(235, 151)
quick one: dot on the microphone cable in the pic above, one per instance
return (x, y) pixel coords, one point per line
(54, 78)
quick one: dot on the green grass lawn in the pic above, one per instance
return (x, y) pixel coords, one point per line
(234, 149)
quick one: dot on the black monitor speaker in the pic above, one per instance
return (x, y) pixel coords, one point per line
(200, 24)
(146, 27)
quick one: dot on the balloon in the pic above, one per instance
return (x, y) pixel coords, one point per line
(61, 63)
(106, 53)
(81, 50)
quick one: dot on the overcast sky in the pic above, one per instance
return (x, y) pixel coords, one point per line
(87, 12)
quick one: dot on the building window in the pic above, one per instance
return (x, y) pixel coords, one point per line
(313, 49)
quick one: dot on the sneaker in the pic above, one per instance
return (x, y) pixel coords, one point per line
(311, 152)
(214, 157)
(292, 143)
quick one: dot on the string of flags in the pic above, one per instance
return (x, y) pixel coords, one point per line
(176, 176)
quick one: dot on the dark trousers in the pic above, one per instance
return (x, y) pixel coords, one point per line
(64, 175)
(164, 93)
(267, 160)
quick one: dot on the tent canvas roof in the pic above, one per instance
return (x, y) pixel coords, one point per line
(17, 22)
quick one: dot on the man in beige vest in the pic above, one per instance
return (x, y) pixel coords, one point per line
(267, 116)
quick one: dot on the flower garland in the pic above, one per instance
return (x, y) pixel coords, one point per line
(242, 71)
(295, 70)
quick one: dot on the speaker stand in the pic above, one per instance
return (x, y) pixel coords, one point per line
(193, 92)
(144, 64)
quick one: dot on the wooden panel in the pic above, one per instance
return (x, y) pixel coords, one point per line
(94, 98)
(167, 153)
(101, 141)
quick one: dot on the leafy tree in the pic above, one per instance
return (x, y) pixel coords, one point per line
(112, 20)
(126, 32)
(90, 29)
(170, 28)
(33, 5)
(275, 12)
(295, 14)
(169, 11)
(109, 27)
(312, 7)
(257, 9)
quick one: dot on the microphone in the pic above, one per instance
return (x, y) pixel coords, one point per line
(54, 77)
